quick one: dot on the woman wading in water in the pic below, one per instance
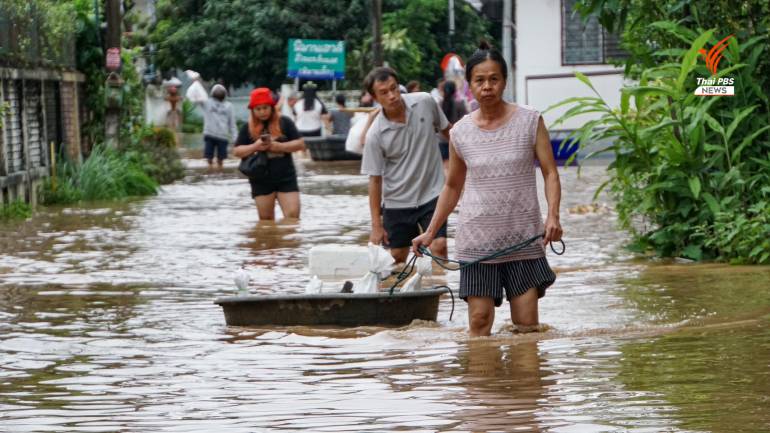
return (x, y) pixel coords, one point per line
(277, 136)
(492, 155)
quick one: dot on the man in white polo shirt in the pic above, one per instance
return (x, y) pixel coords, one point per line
(402, 159)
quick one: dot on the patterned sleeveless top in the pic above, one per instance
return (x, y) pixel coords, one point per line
(499, 207)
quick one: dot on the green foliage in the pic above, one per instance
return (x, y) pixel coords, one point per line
(688, 168)
(650, 45)
(252, 36)
(740, 237)
(192, 123)
(107, 174)
(426, 24)
(15, 210)
(90, 61)
(132, 110)
(43, 30)
(251, 40)
(154, 149)
(398, 51)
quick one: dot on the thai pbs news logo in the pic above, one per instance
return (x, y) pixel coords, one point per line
(715, 86)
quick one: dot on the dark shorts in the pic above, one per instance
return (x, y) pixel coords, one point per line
(212, 144)
(403, 225)
(443, 147)
(313, 133)
(285, 184)
(512, 278)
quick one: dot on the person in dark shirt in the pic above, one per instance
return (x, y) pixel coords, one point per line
(339, 118)
(268, 131)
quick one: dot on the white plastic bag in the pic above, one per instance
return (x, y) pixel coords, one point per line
(314, 286)
(192, 74)
(196, 93)
(242, 279)
(380, 264)
(171, 82)
(423, 267)
(353, 141)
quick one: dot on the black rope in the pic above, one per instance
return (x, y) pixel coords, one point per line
(409, 266)
(453, 300)
(462, 265)
(404, 274)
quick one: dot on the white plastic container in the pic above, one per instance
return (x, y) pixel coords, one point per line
(339, 261)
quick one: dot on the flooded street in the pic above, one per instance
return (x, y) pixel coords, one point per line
(107, 324)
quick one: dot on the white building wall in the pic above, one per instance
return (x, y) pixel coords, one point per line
(540, 78)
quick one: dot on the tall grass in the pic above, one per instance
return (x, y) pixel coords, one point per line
(691, 175)
(107, 174)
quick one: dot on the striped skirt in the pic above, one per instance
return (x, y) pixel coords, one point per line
(514, 278)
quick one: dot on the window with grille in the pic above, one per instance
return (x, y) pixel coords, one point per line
(586, 42)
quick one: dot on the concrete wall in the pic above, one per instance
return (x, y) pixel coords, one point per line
(41, 107)
(541, 79)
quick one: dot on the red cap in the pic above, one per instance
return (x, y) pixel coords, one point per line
(261, 96)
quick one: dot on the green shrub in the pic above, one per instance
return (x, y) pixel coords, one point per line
(155, 150)
(740, 237)
(192, 123)
(691, 175)
(15, 210)
(107, 174)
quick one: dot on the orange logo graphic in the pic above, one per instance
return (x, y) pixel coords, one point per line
(714, 55)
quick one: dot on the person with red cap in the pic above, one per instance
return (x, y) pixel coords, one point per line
(267, 131)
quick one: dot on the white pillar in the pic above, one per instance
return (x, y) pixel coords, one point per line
(507, 47)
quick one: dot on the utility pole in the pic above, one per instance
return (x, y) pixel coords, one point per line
(377, 30)
(114, 85)
(507, 47)
(451, 24)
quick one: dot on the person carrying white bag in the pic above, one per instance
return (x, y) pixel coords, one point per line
(219, 126)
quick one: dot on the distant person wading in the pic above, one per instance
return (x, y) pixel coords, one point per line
(219, 126)
(309, 112)
(277, 136)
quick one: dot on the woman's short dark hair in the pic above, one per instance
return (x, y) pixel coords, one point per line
(381, 73)
(484, 53)
(340, 98)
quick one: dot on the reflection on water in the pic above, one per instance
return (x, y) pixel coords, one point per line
(107, 324)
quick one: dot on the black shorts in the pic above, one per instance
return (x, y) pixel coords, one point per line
(403, 225)
(512, 278)
(285, 184)
(212, 144)
(443, 147)
(313, 133)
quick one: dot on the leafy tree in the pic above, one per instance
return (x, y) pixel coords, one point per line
(691, 175)
(426, 22)
(650, 45)
(245, 41)
(400, 53)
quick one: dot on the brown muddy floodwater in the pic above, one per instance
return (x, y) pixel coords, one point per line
(107, 325)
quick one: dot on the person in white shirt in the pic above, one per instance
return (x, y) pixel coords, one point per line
(309, 112)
